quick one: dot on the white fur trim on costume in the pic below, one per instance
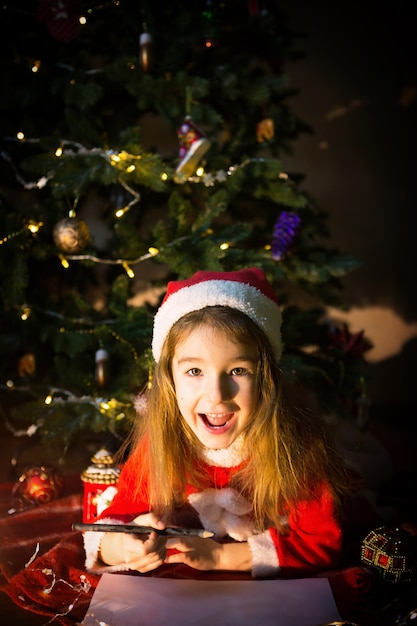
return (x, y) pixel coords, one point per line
(92, 541)
(237, 295)
(225, 457)
(223, 511)
(264, 555)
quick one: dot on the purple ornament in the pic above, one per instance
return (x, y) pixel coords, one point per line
(285, 229)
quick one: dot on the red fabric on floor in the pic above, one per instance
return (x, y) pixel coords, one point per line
(42, 564)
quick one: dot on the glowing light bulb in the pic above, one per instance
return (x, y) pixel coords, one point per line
(34, 227)
(224, 246)
(58, 152)
(25, 313)
(82, 20)
(153, 251)
(64, 262)
(48, 399)
(20, 135)
(128, 270)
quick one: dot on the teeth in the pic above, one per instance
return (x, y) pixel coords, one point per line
(217, 419)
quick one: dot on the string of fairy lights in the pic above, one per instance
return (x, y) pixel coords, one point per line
(123, 161)
(59, 396)
(125, 165)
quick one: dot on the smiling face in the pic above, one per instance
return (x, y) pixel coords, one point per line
(215, 384)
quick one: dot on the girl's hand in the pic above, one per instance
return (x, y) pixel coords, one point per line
(149, 519)
(142, 553)
(207, 554)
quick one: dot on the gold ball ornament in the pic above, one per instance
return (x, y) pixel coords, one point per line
(71, 235)
(265, 130)
(26, 365)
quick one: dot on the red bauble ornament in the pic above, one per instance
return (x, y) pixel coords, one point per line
(61, 18)
(38, 485)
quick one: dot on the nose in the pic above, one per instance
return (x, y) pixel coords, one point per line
(219, 388)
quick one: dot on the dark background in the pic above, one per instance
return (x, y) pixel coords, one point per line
(358, 91)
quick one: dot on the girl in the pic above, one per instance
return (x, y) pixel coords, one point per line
(219, 449)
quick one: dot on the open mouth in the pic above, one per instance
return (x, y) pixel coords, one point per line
(216, 421)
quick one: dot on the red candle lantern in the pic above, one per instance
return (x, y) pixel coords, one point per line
(100, 480)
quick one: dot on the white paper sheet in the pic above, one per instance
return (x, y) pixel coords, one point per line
(121, 600)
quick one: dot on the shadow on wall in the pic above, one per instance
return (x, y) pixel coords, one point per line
(387, 331)
(358, 91)
(393, 358)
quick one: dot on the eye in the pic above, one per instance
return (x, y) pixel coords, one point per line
(194, 371)
(239, 371)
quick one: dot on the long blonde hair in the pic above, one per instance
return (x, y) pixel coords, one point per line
(288, 451)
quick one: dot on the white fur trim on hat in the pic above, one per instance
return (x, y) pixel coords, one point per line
(237, 295)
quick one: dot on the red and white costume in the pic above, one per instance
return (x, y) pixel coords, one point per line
(312, 542)
(313, 539)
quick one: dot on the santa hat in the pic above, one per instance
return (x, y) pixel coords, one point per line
(246, 290)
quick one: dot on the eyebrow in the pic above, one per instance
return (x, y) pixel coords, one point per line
(191, 359)
(196, 359)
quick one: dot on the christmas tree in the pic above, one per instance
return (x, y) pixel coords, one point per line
(141, 142)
